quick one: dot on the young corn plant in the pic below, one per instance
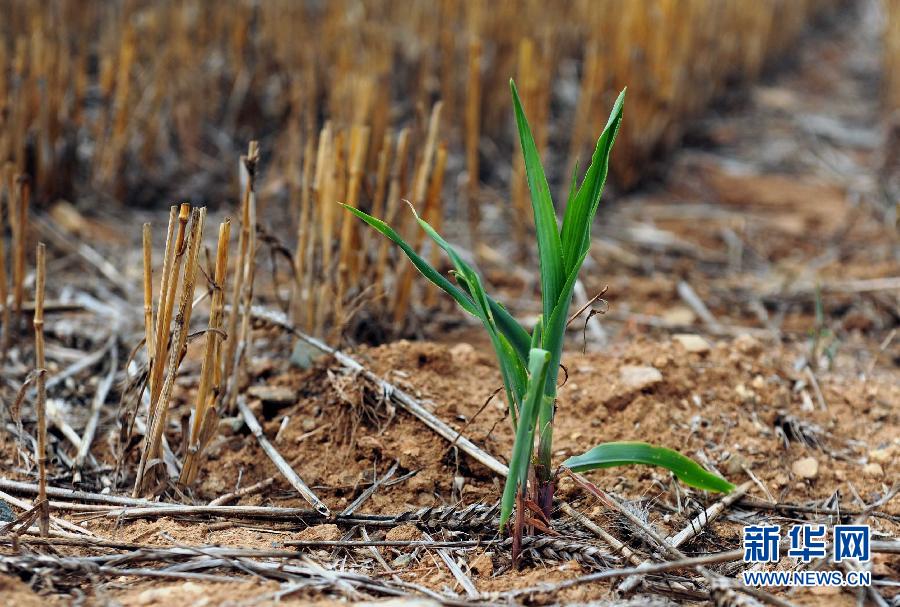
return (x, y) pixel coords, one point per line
(529, 363)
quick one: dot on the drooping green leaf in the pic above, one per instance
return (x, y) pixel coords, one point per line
(550, 248)
(508, 351)
(423, 266)
(538, 361)
(512, 367)
(625, 453)
(580, 209)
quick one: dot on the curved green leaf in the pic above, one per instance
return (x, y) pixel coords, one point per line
(506, 334)
(423, 266)
(625, 453)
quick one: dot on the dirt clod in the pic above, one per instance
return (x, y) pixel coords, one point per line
(807, 468)
(404, 533)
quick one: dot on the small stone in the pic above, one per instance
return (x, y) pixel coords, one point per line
(692, 343)
(807, 468)
(304, 355)
(308, 424)
(874, 470)
(273, 395)
(679, 315)
(6, 513)
(403, 601)
(482, 564)
(639, 378)
(747, 344)
(736, 464)
(230, 426)
(744, 393)
(824, 590)
(882, 456)
(168, 595)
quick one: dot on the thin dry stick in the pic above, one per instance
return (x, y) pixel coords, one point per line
(204, 416)
(292, 477)
(381, 182)
(370, 491)
(57, 522)
(243, 492)
(461, 577)
(690, 297)
(73, 494)
(41, 403)
(41, 409)
(617, 546)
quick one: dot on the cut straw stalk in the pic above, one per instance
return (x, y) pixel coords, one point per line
(434, 214)
(247, 272)
(303, 259)
(348, 266)
(473, 130)
(246, 255)
(398, 170)
(5, 329)
(171, 271)
(158, 410)
(149, 339)
(20, 238)
(40, 406)
(204, 411)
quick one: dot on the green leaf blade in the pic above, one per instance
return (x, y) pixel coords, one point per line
(624, 453)
(550, 248)
(582, 207)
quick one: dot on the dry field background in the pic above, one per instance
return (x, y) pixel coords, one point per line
(261, 401)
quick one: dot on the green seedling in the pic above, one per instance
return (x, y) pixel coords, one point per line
(529, 363)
